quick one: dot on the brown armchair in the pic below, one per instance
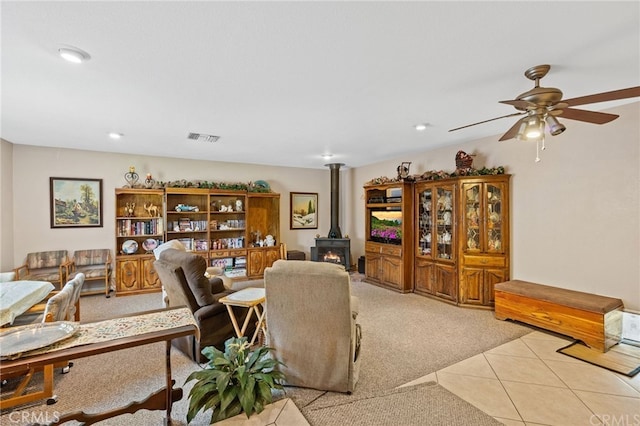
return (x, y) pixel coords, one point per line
(45, 266)
(182, 275)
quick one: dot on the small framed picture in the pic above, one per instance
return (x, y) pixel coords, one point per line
(75, 202)
(304, 210)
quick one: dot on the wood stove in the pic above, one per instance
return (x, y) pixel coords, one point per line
(334, 248)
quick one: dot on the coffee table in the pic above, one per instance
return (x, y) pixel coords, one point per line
(250, 297)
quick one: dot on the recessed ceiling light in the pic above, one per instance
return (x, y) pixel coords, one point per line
(420, 127)
(115, 135)
(327, 156)
(73, 54)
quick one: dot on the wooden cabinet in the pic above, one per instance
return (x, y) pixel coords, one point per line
(435, 263)
(462, 238)
(484, 238)
(260, 258)
(389, 233)
(135, 274)
(139, 229)
(219, 225)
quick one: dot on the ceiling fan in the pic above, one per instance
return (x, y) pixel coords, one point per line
(542, 105)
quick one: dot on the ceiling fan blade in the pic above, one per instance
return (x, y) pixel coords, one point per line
(520, 104)
(513, 131)
(614, 95)
(486, 121)
(588, 116)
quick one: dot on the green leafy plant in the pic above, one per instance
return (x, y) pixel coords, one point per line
(233, 381)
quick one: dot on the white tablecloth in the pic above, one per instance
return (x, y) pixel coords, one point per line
(16, 297)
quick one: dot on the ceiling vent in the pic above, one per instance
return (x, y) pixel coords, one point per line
(202, 137)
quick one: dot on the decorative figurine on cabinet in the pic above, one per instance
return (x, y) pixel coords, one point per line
(130, 209)
(152, 209)
(238, 205)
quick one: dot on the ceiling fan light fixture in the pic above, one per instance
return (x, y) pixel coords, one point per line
(555, 127)
(533, 128)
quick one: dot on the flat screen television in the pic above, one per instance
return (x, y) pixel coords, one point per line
(386, 225)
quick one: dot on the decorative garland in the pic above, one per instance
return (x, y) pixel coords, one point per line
(440, 174)
(257, 186)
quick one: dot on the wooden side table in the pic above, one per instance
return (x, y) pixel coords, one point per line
(250, 297)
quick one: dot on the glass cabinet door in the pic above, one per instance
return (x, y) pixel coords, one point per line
(472, 216)
(425, 226)
(483, 217)
(495, 218)
(444, 222)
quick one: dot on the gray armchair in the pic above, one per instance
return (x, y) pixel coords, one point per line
(312, 324)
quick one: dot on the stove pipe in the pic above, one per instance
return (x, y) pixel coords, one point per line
(335, 232)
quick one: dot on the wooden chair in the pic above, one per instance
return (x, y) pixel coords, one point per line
(57, 308)
(95, 264)
(48, 266)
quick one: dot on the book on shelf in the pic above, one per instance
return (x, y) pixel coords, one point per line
(201, 245)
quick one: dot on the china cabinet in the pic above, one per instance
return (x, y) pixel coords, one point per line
(435, 212)
(389, 235)
(484, 238)
(462, 238)
(139, 229)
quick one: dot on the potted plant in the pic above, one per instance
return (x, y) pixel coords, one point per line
(236, 380)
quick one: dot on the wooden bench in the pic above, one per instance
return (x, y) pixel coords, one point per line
(595, 320)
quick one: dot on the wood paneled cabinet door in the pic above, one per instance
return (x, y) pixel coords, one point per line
(425, 278)
(478, 285)
(136, 275)
(384, 265)
(446, 282)
(259, 259)
(150, 279)
(372, 267)
(391, 269)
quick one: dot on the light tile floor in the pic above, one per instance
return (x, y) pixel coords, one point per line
(523, 382)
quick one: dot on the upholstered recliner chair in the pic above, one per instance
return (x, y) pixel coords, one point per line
(312, 324)
(183, 279)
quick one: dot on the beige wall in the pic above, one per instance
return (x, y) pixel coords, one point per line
(6, 206)
(575, 214)
(33, 166)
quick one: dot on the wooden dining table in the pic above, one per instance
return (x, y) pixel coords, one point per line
(17, 297)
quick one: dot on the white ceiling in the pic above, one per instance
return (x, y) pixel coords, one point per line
(284, 82)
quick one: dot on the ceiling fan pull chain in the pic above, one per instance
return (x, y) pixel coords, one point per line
(537, 150)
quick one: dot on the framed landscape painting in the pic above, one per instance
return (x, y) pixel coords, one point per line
(304, 210)
(75, 202)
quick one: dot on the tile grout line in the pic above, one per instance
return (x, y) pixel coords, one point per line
(566, 384)
(502, 385)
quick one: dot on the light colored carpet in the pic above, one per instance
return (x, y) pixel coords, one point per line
(405, 336)
(419, 405)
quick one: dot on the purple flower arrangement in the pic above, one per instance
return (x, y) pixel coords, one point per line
(387, 234)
